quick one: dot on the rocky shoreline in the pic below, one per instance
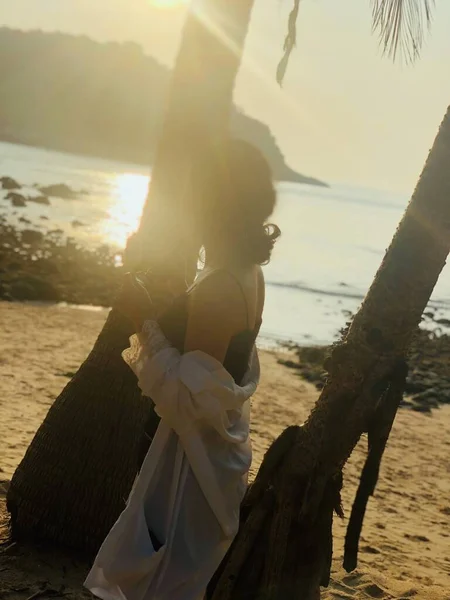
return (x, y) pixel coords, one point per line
(47, 267)
(428, 383)
(38, 263)
(15, 192)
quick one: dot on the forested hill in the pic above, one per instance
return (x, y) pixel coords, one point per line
(77, 95)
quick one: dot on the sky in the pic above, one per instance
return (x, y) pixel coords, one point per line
(345, 112)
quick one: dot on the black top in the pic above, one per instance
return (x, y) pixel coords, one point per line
(173, 324)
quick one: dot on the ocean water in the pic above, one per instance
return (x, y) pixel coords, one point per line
(333, 239)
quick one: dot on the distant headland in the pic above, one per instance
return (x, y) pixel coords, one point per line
(77, 95)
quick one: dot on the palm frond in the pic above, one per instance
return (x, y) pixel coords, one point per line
(289, 42)
(401, 25)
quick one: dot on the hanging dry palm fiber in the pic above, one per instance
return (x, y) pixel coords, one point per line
(378, 433)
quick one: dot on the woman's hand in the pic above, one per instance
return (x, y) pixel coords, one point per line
(134, 301)
(144, 296)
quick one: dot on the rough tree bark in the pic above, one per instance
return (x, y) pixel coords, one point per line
(284, 546)
(78, 470)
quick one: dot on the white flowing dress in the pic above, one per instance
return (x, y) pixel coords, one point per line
(192, 481)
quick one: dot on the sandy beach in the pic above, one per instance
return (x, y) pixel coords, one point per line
(405, 548)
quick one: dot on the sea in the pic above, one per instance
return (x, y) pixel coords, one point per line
(333, 239)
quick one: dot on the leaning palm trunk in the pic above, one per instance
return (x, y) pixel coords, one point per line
(78, 470)
(284, 546)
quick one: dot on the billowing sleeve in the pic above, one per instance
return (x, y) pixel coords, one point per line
(199, 401)
(185, 388)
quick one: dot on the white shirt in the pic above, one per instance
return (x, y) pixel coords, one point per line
(192, 481)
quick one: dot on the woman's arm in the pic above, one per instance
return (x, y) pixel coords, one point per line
(217, 311)
(187, 387)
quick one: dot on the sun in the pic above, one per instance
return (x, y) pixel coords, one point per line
(168, 3)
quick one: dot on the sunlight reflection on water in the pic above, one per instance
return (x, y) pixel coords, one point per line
(128, 194)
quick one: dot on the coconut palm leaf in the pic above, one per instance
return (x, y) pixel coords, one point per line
(401, 26)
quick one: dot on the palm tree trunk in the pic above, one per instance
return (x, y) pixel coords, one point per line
(78, 470)
(76, 473)
(283, 549)
(198, 115)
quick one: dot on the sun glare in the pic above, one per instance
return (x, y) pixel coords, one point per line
(167, 3)
(129, 193)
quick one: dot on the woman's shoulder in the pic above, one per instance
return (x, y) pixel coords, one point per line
(217, 286)
(235, 296)
(227, 281)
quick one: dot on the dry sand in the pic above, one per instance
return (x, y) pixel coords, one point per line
(405, 549)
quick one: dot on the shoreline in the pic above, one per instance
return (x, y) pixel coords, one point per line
(37, 267)
(294, 176)
(78, 270)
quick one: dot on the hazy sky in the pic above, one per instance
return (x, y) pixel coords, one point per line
(345, 112)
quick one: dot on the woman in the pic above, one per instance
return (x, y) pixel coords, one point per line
(196, 359)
